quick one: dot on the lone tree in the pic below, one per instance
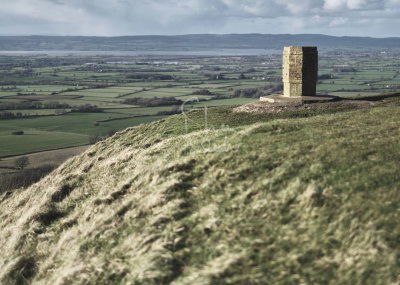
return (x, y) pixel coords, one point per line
(22, 162)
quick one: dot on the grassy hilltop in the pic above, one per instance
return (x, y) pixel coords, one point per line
(306, 197)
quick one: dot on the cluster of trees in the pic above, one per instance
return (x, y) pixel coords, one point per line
(202, 92)
(248, 93)
(149, 76)
(344, 69)
(8, 115)
(27, 71)
(325, 76)
(242, 76)
(207, 67)
(4, 115)
(87, 108)
(215, 76)
(153, 102)
(142, 70)
(31, 105)
(8, 88)
(260, 91)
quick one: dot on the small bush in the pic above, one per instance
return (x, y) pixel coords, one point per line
(175, 110)
(22, 162)
(18, 133)
(111, 132)
(95, 138)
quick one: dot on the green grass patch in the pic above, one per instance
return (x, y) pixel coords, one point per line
(35, 140)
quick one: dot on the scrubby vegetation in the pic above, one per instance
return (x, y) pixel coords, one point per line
(87, 108)
(259, 91)
(153, 102)
(97, 137)
(22, 162)
(24, 178)
(202, 92)
(307, 197)
(149, 76)
(33, 105)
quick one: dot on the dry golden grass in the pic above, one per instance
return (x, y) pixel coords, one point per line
(282, 201)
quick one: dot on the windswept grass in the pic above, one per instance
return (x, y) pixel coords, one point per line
(306, 197)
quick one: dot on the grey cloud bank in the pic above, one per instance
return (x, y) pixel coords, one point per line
(171, 17)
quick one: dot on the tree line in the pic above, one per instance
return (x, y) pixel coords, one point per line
(153, 102)
(32, 105)
(149, 76)
(260, 91)
(87, 108)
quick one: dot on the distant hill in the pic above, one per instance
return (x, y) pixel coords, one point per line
(308, 197)
(188, 42)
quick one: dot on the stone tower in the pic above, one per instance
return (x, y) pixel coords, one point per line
(300, 71)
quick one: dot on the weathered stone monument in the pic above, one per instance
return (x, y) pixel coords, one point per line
(299, 76)
(300, 71)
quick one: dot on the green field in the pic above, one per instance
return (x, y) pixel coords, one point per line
(44, 133)
(39, 112)
(35, 140)
(45, 95)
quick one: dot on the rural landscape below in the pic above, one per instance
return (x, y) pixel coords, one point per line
(152, 160)
(59, 102)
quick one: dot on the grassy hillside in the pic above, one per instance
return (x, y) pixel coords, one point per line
(308, 197)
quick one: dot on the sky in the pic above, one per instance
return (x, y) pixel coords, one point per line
(375, 18)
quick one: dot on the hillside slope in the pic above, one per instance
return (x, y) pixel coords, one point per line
(273, 199)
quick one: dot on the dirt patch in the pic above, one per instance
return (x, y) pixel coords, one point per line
(266, 107)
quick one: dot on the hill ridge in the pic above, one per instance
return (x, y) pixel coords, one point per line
(306, 198)
(189, 42)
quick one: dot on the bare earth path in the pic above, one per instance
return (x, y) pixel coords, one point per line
(266, 107)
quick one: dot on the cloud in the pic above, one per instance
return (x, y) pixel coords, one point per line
(338, 22)
(354, 5)
(129, 17)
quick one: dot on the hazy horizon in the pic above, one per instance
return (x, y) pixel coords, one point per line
(172, 35)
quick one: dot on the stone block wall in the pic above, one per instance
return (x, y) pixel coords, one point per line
(300, 71)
